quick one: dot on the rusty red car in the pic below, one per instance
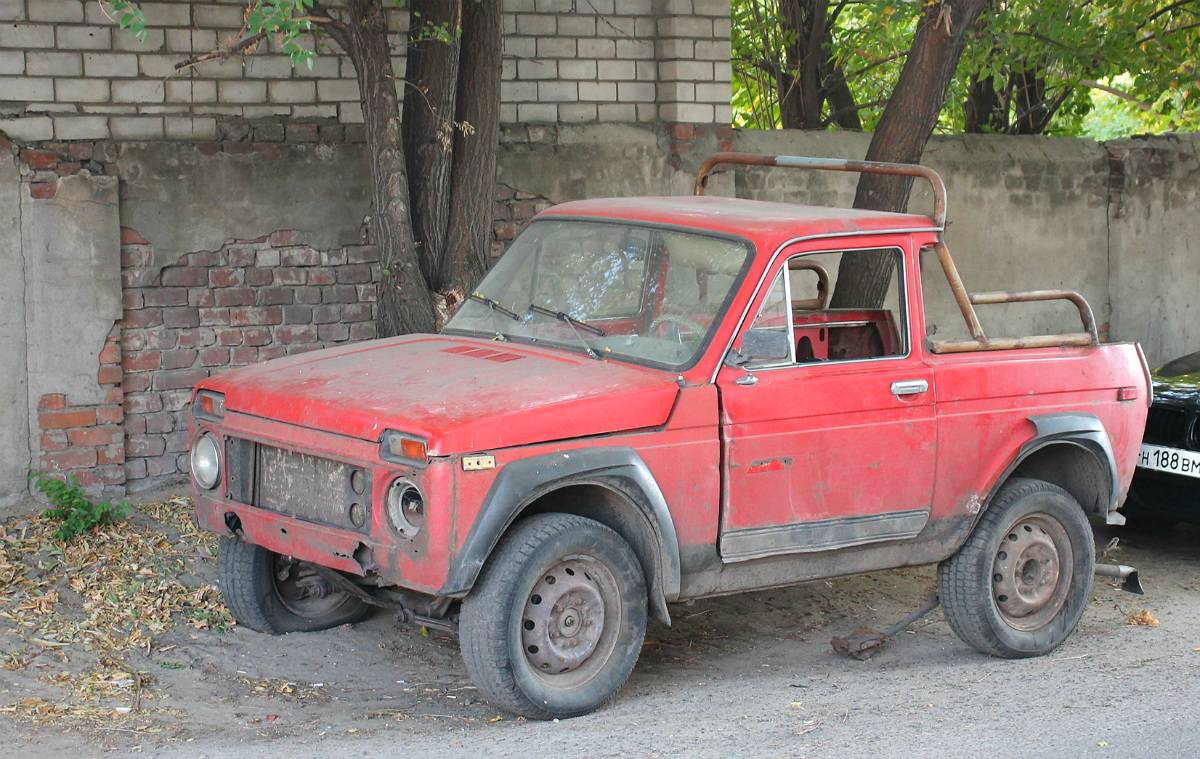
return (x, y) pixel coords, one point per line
(651, 400)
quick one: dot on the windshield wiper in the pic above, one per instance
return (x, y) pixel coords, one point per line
(574, 324)
(566, 319)
(493, 306)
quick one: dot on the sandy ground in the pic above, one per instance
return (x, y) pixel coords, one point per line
(751, 675)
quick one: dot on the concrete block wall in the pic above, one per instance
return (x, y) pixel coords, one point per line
(568, 61)
(67, 72)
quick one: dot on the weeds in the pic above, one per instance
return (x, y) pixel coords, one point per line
(78, 513)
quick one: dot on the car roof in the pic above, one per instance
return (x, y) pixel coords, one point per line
(766, 223)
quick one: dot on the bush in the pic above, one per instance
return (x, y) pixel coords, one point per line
(73, 508)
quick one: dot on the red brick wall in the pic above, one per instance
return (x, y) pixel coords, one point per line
(87, 440)
(511, 212)
(250, 301)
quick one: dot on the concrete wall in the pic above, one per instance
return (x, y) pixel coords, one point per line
(1153, 244)
(14, 398)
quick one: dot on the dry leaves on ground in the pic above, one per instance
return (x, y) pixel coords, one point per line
(1143, 617)
(102, 593)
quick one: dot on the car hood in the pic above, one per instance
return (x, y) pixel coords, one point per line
(460, 394)
(1178, 382)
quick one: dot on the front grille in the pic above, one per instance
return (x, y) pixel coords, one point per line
(306, 487)
(1167, 424)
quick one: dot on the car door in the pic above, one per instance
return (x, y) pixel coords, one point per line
(832, 445)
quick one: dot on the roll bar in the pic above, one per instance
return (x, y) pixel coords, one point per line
(966, 300)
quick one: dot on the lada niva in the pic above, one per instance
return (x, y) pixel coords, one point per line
(651, 400)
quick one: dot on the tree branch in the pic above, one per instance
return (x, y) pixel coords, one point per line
(1164, 11)
(335, 29)
(219, 55)
(1119, 93)
(831, 118)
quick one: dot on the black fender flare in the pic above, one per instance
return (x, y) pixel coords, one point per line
(619, 469)
(1083, 430)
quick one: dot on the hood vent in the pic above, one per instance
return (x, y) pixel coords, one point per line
(488, 354)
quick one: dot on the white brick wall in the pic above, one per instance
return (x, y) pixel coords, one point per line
(77, 76)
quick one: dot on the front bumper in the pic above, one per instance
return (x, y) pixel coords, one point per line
(376, 550)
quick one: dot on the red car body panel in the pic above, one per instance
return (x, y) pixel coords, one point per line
(760, 482)
(458, 394)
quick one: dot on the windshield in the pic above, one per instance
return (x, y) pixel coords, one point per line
(617, 290)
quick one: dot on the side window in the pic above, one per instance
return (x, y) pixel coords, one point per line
(805, 318)
(854, 323)
(769, 339)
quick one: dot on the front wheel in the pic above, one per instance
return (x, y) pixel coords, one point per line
(556, 620)
(1019, 585)
(277, 594)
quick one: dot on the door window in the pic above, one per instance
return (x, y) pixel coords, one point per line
(806, 315)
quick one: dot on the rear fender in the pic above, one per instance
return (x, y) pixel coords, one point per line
(1071, 450)
(645, 522)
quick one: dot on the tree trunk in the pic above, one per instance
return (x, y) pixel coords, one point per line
(811, 65)
(841, 99)
(404, 303)
(1033, 112)
(788, 86)
(428, 129)
(468, 248)
(983, 110)
(903, 130)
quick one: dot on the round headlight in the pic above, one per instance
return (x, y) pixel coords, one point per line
(206, 462)
(406, 508)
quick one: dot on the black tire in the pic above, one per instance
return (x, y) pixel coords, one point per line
(265, 593)
(1018, 587)
(552, 574)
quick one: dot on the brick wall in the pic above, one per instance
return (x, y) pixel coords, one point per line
(248, 302)
(67, 72)
(87, 441)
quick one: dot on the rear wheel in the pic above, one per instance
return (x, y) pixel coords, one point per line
(1019, 585)
(556, 620)
(277, 594)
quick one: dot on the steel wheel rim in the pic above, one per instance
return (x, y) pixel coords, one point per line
(301, 590)
(1032, 572)
(569, 621)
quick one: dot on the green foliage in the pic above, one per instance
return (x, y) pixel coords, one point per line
(73, 508)
(1050, 64)
(867, 40)
(287, 21)
(130, 18)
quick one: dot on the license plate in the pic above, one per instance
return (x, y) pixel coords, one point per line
(1169, 460)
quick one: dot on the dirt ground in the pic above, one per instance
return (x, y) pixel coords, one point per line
(750, 675)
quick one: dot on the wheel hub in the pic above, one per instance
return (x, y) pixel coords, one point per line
(563, 618)
(1031, 572)
(301, 589)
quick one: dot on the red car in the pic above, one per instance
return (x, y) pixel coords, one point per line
(650, 400)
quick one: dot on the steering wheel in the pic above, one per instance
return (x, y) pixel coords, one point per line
(678, 321)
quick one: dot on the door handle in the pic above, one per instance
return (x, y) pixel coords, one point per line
(910, 387)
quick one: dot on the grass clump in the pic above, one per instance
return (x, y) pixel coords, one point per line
(78, 513)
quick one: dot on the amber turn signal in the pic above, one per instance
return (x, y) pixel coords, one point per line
(404, 449)
(209, 405)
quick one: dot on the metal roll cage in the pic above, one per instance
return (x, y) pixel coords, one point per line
(966, 300)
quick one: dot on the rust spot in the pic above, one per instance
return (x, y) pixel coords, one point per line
(770, 465)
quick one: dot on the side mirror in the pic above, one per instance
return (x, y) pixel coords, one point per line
(765, 344)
